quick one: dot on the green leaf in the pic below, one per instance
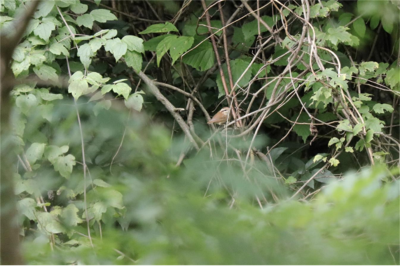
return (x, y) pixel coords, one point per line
(338, 35)
(19, 67)
(134, 43)
(374, 124)
(134, 60)
(344, 125)
(302, 130)
(151, 45)
(333, 141)
(135, 101)
(101, 183)
(393, 77)
(44, 29)
(360, 145)
(369, 136)
(164, 46)
(78, 87)
(357, 128)
(334, 162)
(36, 58)
(96, 44)
(35, 152)
(26, 102)
(48, 224)
(64, 165)
(349, 149)
(387, 23)
(179, 46)
(58, 49)
(367, 66)
(85, 20)
(381, 108)
(374, 22)
(102, 15)
(111, 197)
(45, 72)
(202, 58)
(44, 8)
(159, 28)
(319, 157)
(85, 54)
(122, 89)
(53, 152)
(95, 78)
(27, 207)
(69, 216)
(359, 27)
(79, 8)
(290, 180)
(116, 47)
(110, 34)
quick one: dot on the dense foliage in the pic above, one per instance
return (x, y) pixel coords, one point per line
(115, 163)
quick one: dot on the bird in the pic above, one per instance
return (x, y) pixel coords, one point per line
(221, 117)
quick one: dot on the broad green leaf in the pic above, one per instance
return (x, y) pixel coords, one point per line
(387, 23)
(44, 29)
(179, 46)
(110, 34)
(135, 101)
(290, 180)
(46, 111)
(47, 223)
(344, 125)
(357, 128)
(381, 108)
(95, 78)
(302, 130)
(101, 183)
(26, 102)
(53, 152)
(35, 152)
(78, 88)
(19, 67)
(58, 49)
(349, 149)
(102, 15)
(374, 22)
(85, 54)
(374, 124)
(359, 27)
(369, 136)
(338, 35)
(160, 28)
(69, 216)
(151, 45)
(134, 60)
(333, 141)
(106, 88)
(367, 66)
(79, 8)
(37, 58)
(26, 207)
(96, 43)
(64, 165)
(393, 77)
(360, 145)
(66, 3)
(134, 43)
(85, 20)
(202, 58)
(122, 89)
(164, 46)
(116, 47)
(44, 8)
(45, 72)
(334, 162)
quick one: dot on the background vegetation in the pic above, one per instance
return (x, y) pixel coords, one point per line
(105, 139)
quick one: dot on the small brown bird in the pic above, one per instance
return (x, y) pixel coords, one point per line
(221, 117)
